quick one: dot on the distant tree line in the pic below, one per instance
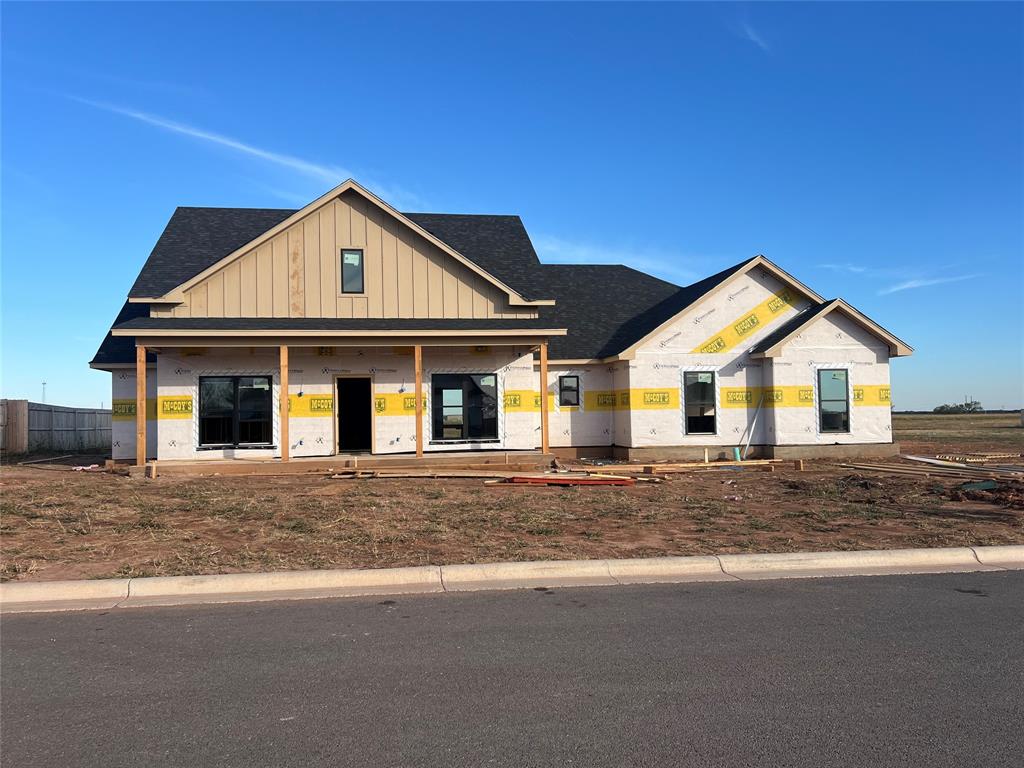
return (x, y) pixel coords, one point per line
(968, 406)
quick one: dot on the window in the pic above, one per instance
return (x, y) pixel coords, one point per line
(833, 401)
(699, 401)
(235, 410)
(569, 390)
(352, 270)
(465, 406)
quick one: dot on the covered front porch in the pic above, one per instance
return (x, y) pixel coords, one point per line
(250, 400)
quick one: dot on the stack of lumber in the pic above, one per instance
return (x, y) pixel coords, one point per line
(495, 476)
(675, 468)
(977, 458)
(927, 467)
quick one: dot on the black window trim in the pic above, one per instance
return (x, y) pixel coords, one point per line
(434, 440)
(821, 400)
(714, 404)
(362, 271)
(562, 390)
(234, 418)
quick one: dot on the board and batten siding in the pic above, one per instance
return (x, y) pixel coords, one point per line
(295, 274)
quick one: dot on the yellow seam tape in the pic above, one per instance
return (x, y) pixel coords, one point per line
(739, 329)
(524, 400)
(124, 410)
(396, 404)
(872, 394)
(311, 406)
(175, 406)
(794, 396)
(774, 397)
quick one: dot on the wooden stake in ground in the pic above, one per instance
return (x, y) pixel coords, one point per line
(140, 406)
(417, 354)
(544, 397)
(284, 403)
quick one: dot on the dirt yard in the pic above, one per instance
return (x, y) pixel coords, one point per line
(60, 524)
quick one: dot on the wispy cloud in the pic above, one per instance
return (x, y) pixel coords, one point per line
(748, 33)
(924, 282)
(556, 250)
(329, 173)
(322, 172)
(853, 268)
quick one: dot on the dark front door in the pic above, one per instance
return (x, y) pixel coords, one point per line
(355, 409)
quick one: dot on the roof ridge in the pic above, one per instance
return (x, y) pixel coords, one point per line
(230, 208)
(479, 215)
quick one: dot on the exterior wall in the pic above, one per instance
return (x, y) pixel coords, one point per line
(593, 421)
(715, 336)
(834, 341)
(296, 274)
(122, 422)
(173, 430)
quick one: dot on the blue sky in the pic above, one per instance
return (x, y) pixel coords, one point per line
(874, 150)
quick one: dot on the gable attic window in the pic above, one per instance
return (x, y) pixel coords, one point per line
(568, 390)
(352, 270)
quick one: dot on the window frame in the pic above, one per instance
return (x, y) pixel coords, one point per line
(437, 408)
(562, 391)
(235, 413)
(821, 401)
(362, 271)
(714, 403)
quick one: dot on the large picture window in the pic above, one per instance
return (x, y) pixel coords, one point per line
(352, 270)
(235, 411)
(465, 406)
(699, 401)
(833, 400)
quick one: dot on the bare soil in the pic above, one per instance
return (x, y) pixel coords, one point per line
(59, 524)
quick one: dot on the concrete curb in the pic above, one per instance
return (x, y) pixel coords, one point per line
(1008, 557)
(867, 563)
(543, 573)
(18, 597)
(62, 595)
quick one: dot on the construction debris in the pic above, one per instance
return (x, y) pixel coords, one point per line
(566, 479)
(977, 458)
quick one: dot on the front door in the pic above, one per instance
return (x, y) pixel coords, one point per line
(355, 411)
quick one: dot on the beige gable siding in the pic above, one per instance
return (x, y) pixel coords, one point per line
(296, 274)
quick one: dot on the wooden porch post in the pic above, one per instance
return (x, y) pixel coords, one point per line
(544, 397)
(284, 403)
(140, 406)
(417, 354)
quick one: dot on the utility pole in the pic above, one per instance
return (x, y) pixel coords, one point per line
(44, 392)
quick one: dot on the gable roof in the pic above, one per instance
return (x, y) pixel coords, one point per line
(498, 244)
(771, 345)
(603, 322)
(174, 294)
(197, 238)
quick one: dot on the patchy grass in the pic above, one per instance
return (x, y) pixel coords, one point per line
(58, 524)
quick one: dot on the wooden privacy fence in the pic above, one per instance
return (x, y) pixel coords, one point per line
(26, 426)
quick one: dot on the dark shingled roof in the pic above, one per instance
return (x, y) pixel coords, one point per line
(606, 308)
(499, 245)
(196, 238)
(794, 323)
(117, 350)
(143, 324)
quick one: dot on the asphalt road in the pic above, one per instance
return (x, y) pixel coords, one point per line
(882, 671)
